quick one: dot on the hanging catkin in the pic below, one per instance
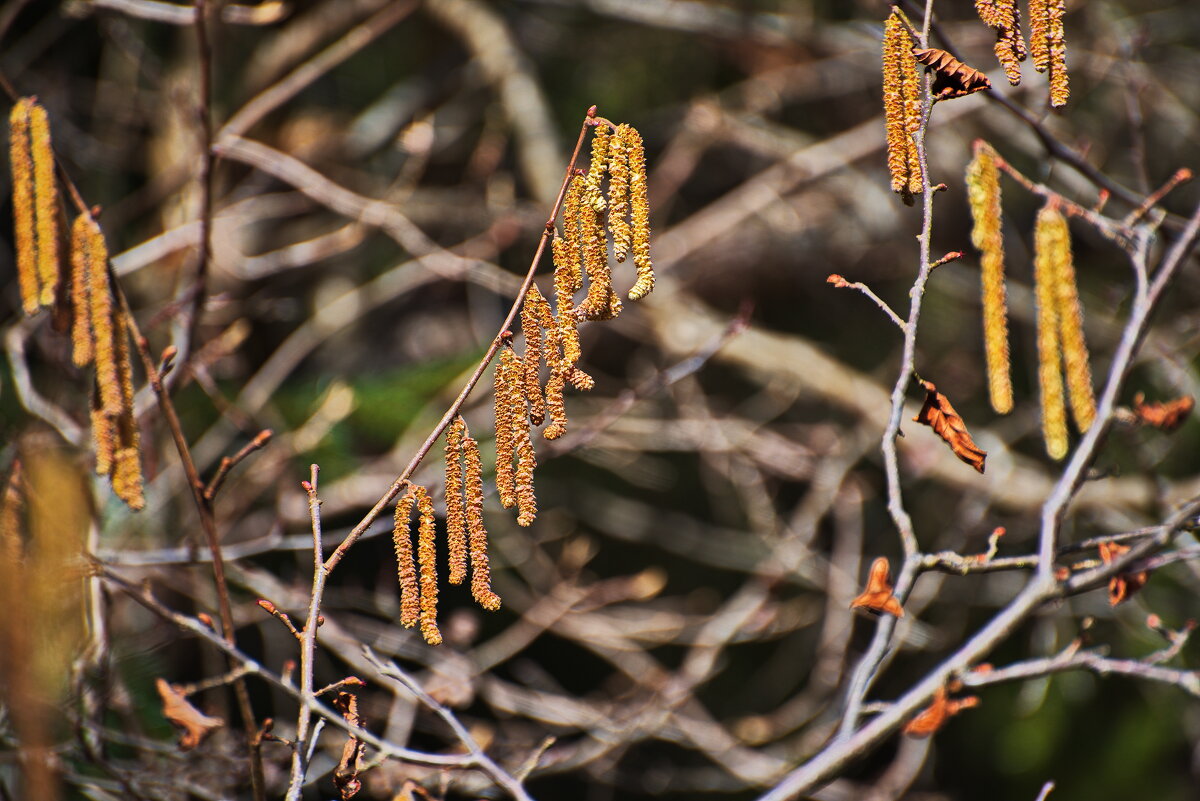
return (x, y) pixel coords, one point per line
(983, 194)
(902, 108)
(1047, 253)
(1069, 312)
(456, 513)
(406, 565)
(481, 581)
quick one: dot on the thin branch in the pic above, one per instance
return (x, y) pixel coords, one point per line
(308, 643)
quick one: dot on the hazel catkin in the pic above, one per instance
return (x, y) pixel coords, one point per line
(983, 194)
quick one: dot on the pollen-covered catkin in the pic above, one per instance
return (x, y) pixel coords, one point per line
(481, 581)
(104, 436)
(593, 194)
(1004, 17)
(456, 514)
(566, 283)
(983, 194)
(532, 361)
(406, 566)
(639, 206)
(1059, 83)
(102, 315)
(600, 303)
(46, 203)
(1057, 239)
(901, 104)
(556, 405)
(618, 193)
(427, 563)
(24, 216)
(1039, 28)
(127, 462)
(82, 337)
(526, 462)
(507, 397)
(1054, 413)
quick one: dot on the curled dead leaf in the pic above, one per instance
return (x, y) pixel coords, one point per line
(1167, 416)
(938, 414)
(345, 775)
(941, 709)
(1122, 586)
(194, 724)
(951, 77)
(878, 597)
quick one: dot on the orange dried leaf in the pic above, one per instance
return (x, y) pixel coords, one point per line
(934, 716)
(1167, 416)
(938, 414)
(1122, 586)
(878, 597)
(195, 725)
(952, 78)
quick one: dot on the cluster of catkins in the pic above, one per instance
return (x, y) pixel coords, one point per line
(98, 329)
(1061, 345)
(1047, 44)
(952, 78)
(591, 220)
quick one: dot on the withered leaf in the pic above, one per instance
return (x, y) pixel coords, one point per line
(951, 77)
(878, 597)
(345, 775)
(194, 724)
(934, 716)
(1122, 586)
(1167, 416)
(938, 414)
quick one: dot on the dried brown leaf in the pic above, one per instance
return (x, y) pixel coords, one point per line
(1168, 415)
(941, 709)
(938, 414)
(195, 725)
(952, 78)
(878, 597)
(1122, 586)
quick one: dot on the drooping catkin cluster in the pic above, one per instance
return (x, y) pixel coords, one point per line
(35, 205)
(1060, 331)
(983, 193)
(902, 107)
(464, 515)
(418, 577)
(99, 337)
(1004, 17)
(1047, 46)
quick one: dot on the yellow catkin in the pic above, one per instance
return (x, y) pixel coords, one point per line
(1047, 249)
(1004, 17)
(556, 405)
(532, 361)
(505, 388)
(12, 506)
(481, 577)
(902, 107)
(45, 191)
(580, 380)
(1039, 29)
(526, 462)
(82, 338)
(1056, 34)
(406, 566)
(104, 435)
(127, 464)
(24, 218)
(593, 194)
(427, 564)
(639, 206)
(456, 514)
(1070, 320)
(983, 193)
(618, 193)
(102, 317)
(600, 299)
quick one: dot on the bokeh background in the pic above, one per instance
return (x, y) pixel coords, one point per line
(677, 616)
